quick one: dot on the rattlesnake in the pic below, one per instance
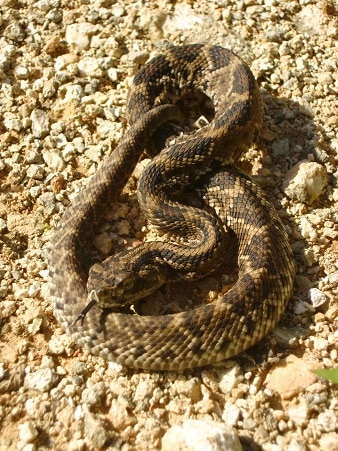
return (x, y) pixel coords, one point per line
(233, 207)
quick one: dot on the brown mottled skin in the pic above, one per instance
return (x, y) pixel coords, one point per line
(234, 206)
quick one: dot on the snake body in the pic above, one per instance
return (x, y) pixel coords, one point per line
(234, 206)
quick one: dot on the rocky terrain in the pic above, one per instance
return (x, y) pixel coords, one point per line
(65, 70)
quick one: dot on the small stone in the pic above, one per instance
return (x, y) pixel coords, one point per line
(27, 432)
(307, 229)
(301, 307)
(117, 10)
(47, 200)
(310, 20)
(3, 225)
(33, 289)
(40, 123)
(79, 369)
(299, 413)
(57, 183)
(144, 390)
(54, 161)
(333, 279)
(191, 389)
(57, 345)
(19, 292)
(112, 47)
(78, 34)
(249, 424)
(317, 297)
(35, 171)
(47, 362)
(12, 122)
(96, 431)
(15, 31)
(119, 415)
(305, 181)
(65, 60)
(90, 67)
(35, 326)
(231, 414)
(78, 445)
(329, 441)
(296, 446)
(138, 57)
(230, 379)
(95, 395)
(201, 435)
(42, 380)
(104, 243)
(291, 376)
(2, 371)
(7, 309)
(29, 447)
(327, 421)
(319, 344)
(281, 148)
(21, 72)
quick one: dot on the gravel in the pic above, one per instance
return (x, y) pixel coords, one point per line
(65, 70)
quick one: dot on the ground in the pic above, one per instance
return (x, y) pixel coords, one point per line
(65, 69)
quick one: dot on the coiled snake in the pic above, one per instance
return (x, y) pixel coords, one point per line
(234, 207)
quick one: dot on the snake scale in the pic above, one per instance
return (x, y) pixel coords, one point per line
(233, 207)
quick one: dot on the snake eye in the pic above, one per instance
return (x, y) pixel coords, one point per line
(125, 283)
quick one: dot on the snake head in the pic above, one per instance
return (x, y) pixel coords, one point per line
(117, 284)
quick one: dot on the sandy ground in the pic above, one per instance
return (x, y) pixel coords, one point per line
(65, 69)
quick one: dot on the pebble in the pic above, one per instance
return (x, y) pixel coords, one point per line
(47, 5)
(144, 390)
(15, 31)
(20, 292)
(317, 297)
(327, 421)
(65, 75)
(90, 67)
(3, 225)
(79, 34)
(196, 435)
(290, 376)
(329, 441)
(27, 432)
(35, 326)
(40, 123)
(7, 309)
(42, 380)
(118, 414)
(12, 122)
(190, 389)
(307, 229)
(94, 395)
(281, 148)
(97, 433)
(230, 379)
(305, 182)
(36, 171)
(59, 345)
(54, 161)
(62, 61)
(47, 200)
(299, 413)
(231, 414)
